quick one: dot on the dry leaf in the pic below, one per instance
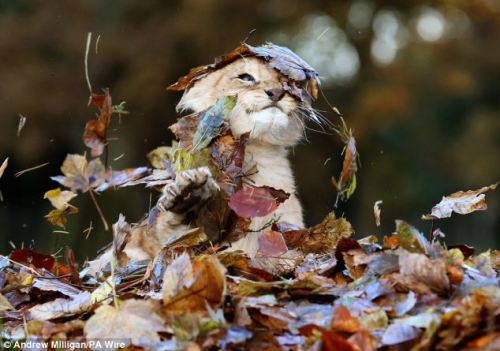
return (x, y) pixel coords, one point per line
(58, 198)
(423, 275)
(189, 286)
(376, 212)
(461, 202)
(3, 166)
(62, 307)
(322, 238)
(20, 126)
(131, 321)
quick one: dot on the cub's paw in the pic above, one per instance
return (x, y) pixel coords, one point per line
(189, 190)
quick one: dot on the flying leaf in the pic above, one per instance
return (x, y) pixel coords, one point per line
(461, 202)
(58, 217)
(80, 175)
(212, 121)
(132, 320)
(58, 198)
(96, 131)
(376, 212)
(20, 126)
(256, 202)
(123, 178)
(3, 166)
(346, 183)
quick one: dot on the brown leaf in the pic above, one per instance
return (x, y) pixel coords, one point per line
(303, 80)
(461, 202)
(58, 217)
(184, 130)
(188, 286)
(95, 134)
(322, 238)
(423, 275)
(330, 340)
(344, 322)
(81, 175)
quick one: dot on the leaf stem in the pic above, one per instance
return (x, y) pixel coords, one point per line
(98, 208)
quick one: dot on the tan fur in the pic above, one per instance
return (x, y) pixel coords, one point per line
(272, 132)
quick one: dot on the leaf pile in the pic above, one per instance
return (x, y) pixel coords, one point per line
(350, 295)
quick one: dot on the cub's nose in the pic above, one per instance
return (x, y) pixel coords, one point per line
(275, 94)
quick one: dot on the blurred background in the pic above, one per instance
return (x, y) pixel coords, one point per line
(418, 81)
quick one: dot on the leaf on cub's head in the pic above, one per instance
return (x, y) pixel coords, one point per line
(257, 202)
(461, 202)
(302, 80)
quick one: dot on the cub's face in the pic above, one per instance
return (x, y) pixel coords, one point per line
(263, 108)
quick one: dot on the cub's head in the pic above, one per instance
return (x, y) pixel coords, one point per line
(274, 90)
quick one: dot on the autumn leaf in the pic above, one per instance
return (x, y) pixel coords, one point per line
(189, 285)
(256, 202)
(461, 202)
(184, 129)
(58, 198)
(80, 175)
(376, 212)
(95, 135)
(62, 307)
(34, 258)
(4, 166)
(303, 80)
(131, 321)
(322, 238)
(59, 217)
(346, 183)
(422, 274)
(5, 305)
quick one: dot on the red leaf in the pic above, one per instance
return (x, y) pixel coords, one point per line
(331, 341)
(272, 244)
(36, 259)
(256, 202)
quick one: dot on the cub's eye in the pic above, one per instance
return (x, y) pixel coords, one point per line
(246, 78)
